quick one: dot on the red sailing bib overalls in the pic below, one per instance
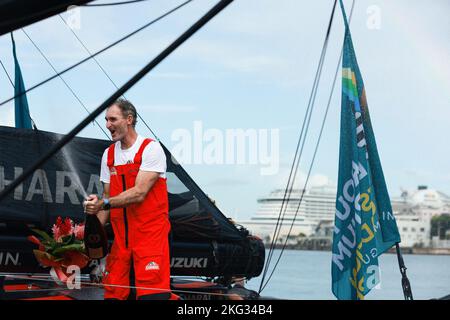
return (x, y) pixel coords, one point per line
(140, 233)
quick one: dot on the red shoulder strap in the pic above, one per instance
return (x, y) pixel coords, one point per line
(111, 155)
(138, 156)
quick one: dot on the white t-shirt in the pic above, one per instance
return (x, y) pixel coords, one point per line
(153, 158)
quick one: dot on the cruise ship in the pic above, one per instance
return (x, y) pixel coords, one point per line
(413, 210)
(318, 205)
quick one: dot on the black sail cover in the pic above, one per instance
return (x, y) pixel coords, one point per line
(58, 188)
(15, 14)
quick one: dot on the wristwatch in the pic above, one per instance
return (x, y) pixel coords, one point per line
(106, 204)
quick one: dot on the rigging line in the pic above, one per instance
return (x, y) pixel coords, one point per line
(297, 157)
(104, 71)
(296, 162)
(32, 275)
(102, 285)
(99, 52)
(290, 185)
(314, 88)
(85, 276)
(130, 83)
(62, 79)
(111, 3)
(316, 147)
(7, 74)
(39, 290)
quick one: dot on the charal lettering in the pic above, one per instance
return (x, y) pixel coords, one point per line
(49, 186)
(9, 258)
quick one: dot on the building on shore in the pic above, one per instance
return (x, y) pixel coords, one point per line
(314, 218)
(414, 210)
(414, 231)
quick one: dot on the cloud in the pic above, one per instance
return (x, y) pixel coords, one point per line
(233, 55)
(242, 59)
(434, 53)
(315, 180)
(229, 182)
(261, 18)
(424, 176)
(232, 42)
(7, 115)
(320, 180)
(168, 108)
(172, 75)
(416, 173)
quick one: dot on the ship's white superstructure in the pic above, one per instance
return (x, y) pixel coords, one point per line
(318, 204)
(413, 211)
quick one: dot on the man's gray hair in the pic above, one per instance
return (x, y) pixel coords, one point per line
(127, 108)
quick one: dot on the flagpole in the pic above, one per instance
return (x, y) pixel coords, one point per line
(407, 292)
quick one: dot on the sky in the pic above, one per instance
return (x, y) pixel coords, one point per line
(252, 68)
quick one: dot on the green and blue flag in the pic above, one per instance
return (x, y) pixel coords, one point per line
(22, 112)
(365, 226)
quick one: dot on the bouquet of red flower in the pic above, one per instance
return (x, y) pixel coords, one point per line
(64, 249)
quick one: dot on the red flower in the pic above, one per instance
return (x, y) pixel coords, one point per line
(62, 228)
(66, 228)
(68, 249)
(79, 231)
(59, 222)
(56, 233)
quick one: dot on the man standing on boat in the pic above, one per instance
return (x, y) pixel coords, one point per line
(135, 198)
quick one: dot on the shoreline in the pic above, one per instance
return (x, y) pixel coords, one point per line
(405, 250)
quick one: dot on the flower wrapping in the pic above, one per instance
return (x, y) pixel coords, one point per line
(63, 249)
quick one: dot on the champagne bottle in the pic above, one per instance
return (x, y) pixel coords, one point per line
(95, 239)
